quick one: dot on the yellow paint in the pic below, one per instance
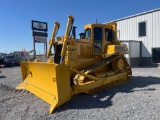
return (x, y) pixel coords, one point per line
(53, 82)
(49, 81)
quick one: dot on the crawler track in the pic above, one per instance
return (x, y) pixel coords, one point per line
(107, 61)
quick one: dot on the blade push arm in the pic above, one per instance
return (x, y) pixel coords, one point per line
(52, 40)
(66, 36)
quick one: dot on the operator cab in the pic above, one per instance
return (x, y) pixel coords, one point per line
(100, 34)
(97, 30)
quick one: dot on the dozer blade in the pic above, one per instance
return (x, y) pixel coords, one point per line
(48, 81)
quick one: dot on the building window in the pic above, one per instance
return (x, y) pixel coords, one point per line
(142, 29)
(156, 55)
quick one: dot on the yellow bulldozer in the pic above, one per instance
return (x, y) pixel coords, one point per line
(87, 65)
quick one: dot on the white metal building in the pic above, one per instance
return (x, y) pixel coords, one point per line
(142, 34)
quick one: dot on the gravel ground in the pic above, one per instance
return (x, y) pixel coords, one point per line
(139, 99)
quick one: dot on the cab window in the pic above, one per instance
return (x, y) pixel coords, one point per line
(108, 34)
(97, 39)
(97, 33)
(88, 33)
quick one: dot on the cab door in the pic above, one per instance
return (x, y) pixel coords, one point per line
(97, 40)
